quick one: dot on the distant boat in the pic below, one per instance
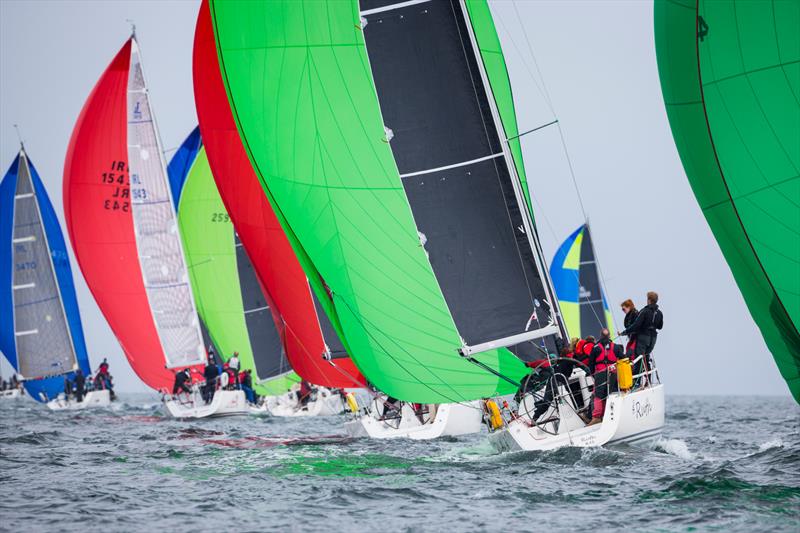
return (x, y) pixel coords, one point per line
(231, 303)
(307, 333)
(730, 78)
(577, 281)
(40, 324)
(123, 226)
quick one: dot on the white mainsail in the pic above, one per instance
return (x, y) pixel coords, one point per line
(161, 256)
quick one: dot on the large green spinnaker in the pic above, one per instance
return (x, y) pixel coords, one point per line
(214, 269)
(301, 89)
(730, 74)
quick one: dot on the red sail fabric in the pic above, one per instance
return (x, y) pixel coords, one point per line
(267, 246)
(100, 223)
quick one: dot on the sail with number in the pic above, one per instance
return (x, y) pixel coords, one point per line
(40, 325)
(576, 279)
(306, 331)
(730, 75)
(220, 271)
(379, 132)
(123, 226)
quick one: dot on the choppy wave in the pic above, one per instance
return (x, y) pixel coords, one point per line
(131, 466)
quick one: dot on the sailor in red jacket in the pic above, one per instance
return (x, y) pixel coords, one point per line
(604, 354)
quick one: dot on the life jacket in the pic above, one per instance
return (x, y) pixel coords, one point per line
(579, 347)
(606, 357)
(586, 352)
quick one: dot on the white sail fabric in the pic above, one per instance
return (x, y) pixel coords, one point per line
(166, 279)
(43, 341)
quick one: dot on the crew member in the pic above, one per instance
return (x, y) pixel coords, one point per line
(645, 328)
(80, 385)
(304, 394)
(182, 380)
(585, 350)
(233, 363)
(603, 355)
(210, 374)
(246, 379)
(630, 316)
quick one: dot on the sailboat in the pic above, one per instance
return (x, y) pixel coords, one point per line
(41, 334)
(401, 138)
(125, 235)
(729, 76)
(577, 282)
(220, 270)
(309, 339)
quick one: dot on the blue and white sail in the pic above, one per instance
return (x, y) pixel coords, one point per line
(40, 326)
(577, 282)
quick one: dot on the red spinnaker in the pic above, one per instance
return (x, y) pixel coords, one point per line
(98, 212)
(261, 234)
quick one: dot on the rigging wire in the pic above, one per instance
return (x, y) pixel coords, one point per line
(19, 136)
(539, 82)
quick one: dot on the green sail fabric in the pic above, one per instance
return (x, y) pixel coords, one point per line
(208, 241)
(730, 74)
(300, 87)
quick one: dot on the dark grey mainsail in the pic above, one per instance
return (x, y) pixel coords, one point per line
(461, 184)
(265, 340)
(44, 344)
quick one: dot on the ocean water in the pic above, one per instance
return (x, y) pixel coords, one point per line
(725, 464)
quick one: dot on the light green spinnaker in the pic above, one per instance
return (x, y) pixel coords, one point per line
(301, 88)
(730, 74)
(216, 275)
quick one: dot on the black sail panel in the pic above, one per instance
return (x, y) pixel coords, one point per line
(265, 340)
(449, 154)
(329, 334)
(593, 315)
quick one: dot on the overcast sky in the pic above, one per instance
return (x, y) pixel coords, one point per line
(597, 62)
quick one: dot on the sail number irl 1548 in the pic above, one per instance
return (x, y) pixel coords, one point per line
(118, 192)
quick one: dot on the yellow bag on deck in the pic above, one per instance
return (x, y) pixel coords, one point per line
(624, 374)
(351, 402)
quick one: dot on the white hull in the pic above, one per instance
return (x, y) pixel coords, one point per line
(224, 403)
(630, 417)
(10, 394)
(326, 403)
(450, 419)
(92, 399)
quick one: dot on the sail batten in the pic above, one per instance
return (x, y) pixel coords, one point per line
(332, 156)
(122, 225)
(40, 329)
(468, 213)
(155, 227)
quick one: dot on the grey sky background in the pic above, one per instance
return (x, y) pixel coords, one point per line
(597, 61)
